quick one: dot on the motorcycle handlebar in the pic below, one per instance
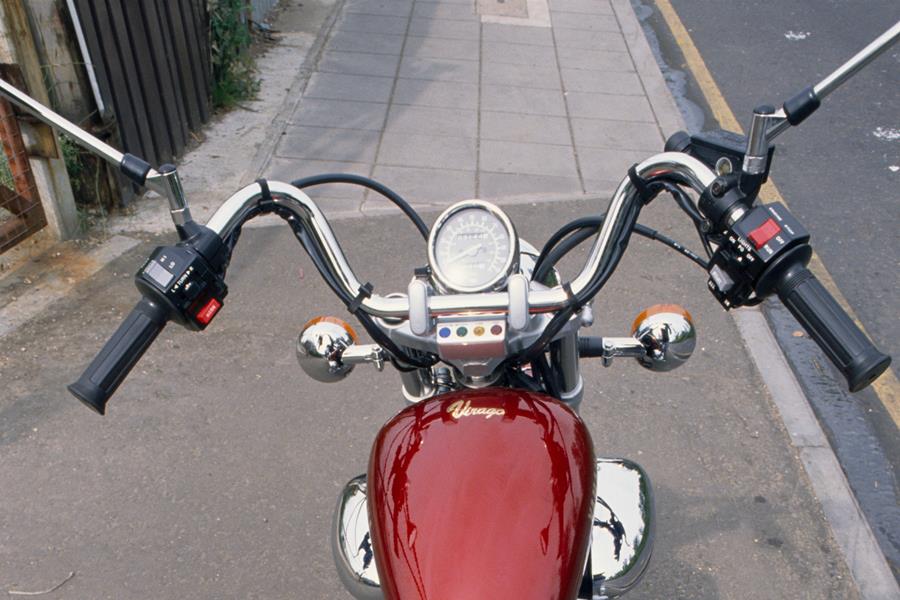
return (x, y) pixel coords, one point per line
(848, 348)
(676, 166)
(113, 363)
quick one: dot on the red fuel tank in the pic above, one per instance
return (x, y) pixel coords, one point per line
(482, 495)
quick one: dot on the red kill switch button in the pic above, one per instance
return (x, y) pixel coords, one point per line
(209, 310)
(765, 232)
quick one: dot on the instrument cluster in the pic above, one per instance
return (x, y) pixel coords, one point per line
(473, 247)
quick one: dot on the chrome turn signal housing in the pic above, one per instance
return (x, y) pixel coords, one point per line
(666, 331)
(320, 348)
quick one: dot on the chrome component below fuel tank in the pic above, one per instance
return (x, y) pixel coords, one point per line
(622, 531)
(621, 534)
(351, 543)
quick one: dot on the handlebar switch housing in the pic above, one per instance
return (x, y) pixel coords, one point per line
(181, 279)
(756, 250)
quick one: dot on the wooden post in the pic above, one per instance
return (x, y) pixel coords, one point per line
(50, 174)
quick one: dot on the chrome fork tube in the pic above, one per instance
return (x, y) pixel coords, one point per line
(564, 357)
(418, 385)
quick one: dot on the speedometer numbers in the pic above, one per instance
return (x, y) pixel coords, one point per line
(472, 247)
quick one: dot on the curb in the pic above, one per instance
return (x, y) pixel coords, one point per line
(867, 564)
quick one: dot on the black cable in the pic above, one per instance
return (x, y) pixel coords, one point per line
(381, 338)
(620, 236)
(307, 241)
(586, 228)
(373, 185)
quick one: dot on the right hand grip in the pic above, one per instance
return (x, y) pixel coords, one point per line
(831, 327)
(119, 355)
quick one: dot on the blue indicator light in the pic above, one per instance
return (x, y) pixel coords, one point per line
(444, 332)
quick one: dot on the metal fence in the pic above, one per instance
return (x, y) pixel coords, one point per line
(152, 63)
(21, 213)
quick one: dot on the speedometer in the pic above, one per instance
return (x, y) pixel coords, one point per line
(472, 247)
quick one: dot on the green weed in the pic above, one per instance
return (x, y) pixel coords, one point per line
(234, 76)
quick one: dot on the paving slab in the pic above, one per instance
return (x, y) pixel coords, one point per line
(374, 43)
(440, 187)
(513, 127)
(610, 106)
(384, 24)
(603, 82)
(439, 10)
(529, 76)
(529, 101)
(358, 63)
(447, 48)
(623, 135)
(328, 143)
(521, 157)
(585, 39)
(443, 28)
(594, 60)
(417, 150)
(397, 8)
(439, 69)
(339, 86)
(497, 186)
(433, 121)
(535, 36)
(346, 114)
(598, 22)
(518, 54)
(439, 94)
(588, 7)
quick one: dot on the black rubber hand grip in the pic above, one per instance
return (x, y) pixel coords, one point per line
(110, 367)
(833, 330)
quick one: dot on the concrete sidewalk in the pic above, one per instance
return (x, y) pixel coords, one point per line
(216, 471)
(441, 105)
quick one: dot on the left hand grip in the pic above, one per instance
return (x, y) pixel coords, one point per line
(113, 363)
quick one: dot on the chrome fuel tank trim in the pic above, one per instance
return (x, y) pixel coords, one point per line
(623, 528)
(351, 543)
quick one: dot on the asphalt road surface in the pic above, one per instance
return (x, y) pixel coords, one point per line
(216, 470)
(839, 171)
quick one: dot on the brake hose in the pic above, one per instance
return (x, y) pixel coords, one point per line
(620, 236)
(550, 254)
(585, 228)
(303, 236)
(373, 185)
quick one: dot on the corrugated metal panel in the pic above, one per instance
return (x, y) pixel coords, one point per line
(152, 62)
(261, 8)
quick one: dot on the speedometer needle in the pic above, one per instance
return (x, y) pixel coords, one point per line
(467, 252)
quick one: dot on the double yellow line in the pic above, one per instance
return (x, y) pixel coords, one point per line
(886, 387)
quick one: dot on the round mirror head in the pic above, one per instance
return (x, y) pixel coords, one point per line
(666, 331)
(320, 346)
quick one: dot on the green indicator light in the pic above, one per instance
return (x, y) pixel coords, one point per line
(462, 331)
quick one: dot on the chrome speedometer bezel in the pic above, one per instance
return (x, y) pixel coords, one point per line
(440, 278)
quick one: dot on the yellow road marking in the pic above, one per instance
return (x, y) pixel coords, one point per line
(886, 387)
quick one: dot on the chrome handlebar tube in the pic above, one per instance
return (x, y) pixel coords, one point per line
(164, 182)
(673, 166)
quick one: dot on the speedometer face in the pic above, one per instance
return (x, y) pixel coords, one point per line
(473, 247)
